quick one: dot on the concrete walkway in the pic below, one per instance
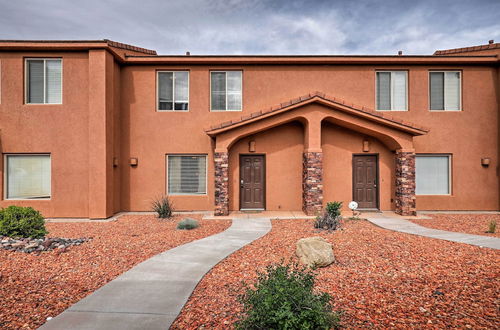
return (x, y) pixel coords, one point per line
(152, 294)
(405, 226)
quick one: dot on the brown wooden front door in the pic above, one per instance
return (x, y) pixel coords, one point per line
(365, 173)
(252, 181)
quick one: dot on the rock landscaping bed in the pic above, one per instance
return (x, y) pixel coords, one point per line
(380, 279)
(34, 287)
(38, 245)
(476, 224)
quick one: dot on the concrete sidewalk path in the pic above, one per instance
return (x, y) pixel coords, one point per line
(152, 294)
(405, 226)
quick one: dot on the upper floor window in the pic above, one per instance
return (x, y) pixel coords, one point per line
(173, 91)
(392, 90)
(225, 90)
(445, 90)
(27, 176)
(44, 81)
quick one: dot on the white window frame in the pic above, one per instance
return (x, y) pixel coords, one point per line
(444, 95)
(241, 88)
(450, 174)
(26, 79)
(392, 96)
(187, 194)
(6, 177)
(173, 90)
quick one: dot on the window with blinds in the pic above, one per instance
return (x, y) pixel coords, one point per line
(392, 90)
(44, 81)
(173, 91)
(187, 174)
(225, 90)
(28, 176)
(432, 174)
(444, 90)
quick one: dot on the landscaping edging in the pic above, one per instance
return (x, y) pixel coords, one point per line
(30, 245)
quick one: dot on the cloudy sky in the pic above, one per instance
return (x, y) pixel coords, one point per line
(259, 26)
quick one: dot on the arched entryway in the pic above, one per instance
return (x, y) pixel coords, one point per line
(314, 115)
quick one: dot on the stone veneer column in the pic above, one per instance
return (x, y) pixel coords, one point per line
(405, 183)
(312, 182)
(221, 160)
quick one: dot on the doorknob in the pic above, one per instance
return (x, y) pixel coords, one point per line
(241, 182)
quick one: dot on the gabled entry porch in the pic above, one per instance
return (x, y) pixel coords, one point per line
(297, 130)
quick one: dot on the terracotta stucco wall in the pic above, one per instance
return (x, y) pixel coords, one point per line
(124, 123)
(339, 144)
(283, 147)
(61, 130)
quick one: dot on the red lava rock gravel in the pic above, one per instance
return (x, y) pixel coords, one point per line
(476, 224)
(33, 288)
(381, 279)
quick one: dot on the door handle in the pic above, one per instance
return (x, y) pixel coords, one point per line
(241, 183)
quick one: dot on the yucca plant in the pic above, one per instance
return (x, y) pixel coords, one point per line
(163, 206)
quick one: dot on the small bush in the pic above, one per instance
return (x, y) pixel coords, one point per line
(163, 206)
(188, 224)
(333, 209)
(284, 298)
(16, 221)
(330, 219)
(492, 228)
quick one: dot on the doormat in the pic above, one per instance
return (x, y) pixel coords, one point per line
(251, 211)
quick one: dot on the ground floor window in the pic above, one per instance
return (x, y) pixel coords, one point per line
(27, 176)
(186, 174)
(433, 174)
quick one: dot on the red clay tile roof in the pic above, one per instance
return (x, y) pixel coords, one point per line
(130, 47)
(309, 98)
(467, 49)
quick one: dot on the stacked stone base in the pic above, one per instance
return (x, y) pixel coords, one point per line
(221, 160)
(405, 184)
(312, 183)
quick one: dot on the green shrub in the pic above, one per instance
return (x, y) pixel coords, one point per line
(163, 206)
(16, 221)
(188, 224)
(284, 298)
(330, 219)
(492, 228)
(333, 209)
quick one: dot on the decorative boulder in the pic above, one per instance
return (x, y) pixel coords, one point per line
(315, 252)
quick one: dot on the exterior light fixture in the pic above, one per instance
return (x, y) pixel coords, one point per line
(133, 161)
(366, 146)
(485, 161)
(251, 146)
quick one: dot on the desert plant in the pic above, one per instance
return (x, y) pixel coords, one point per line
(333, 208)
(284, 298)
(330, 219)
(492, 228)
(188, 224)
(163, 206)
(16, 221)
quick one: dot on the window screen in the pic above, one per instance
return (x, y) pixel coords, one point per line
(226, 91)
(28, 176)
(173, 90)
(432, 174)
(44, 81)
(187, 174)
(444, 90)
(391, 90)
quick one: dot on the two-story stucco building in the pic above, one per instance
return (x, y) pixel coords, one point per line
(92, 128)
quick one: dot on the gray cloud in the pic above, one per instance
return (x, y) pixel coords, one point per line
(259, 26)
